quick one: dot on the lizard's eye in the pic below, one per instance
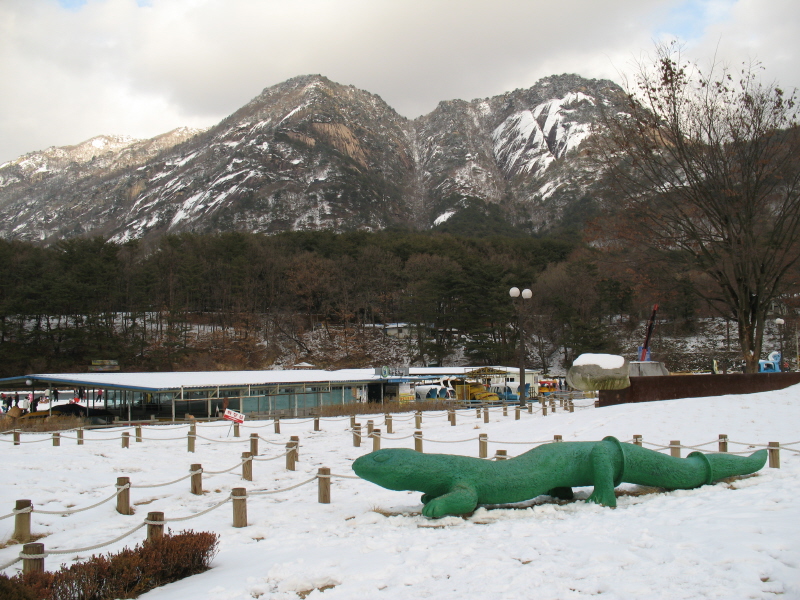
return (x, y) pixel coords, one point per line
(381, 457)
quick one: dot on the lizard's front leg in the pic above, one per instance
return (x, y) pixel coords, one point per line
(461, 499)
(603, 459)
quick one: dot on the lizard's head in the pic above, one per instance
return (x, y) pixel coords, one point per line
(395, 469)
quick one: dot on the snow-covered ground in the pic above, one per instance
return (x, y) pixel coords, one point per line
(729, 540)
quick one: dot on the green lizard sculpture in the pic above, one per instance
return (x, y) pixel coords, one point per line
(454, 485)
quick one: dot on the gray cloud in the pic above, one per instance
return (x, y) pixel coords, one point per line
(113, 66)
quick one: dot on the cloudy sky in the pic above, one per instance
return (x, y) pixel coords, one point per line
(72, 69)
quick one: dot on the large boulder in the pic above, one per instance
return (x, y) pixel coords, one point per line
(591, 372)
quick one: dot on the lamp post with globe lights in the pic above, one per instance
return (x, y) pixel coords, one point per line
(525, 294)
(780, 322)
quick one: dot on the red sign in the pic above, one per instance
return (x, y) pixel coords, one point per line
(232, 415)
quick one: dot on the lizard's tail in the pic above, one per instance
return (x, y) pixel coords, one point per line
(720, 466)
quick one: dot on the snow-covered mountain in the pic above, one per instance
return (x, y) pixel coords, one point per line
(311, 154)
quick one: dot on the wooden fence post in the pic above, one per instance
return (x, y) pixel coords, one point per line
(418, 441)
(485, 414)
(557, 438)
(139, 433)
(316, 424)
(124, 496)
(80, 436)
(155, 526)
(370, 427)
(56, 438)
(16, 438)
(505, 409)
(190, 437)
(501, 455)
(418, 420)
(544, 410)
(247, 466)
(483, 445)
(22, 521)
(254, 444)
(197, 479)
(387, 420)
(478, 413)
(357, 435)
(277, 424)
(637, 440)
(290, 456)
(530, 407)
(723, 442)
(239, 496)
(295, 439)
(553, 406)
(126, 439)
(597, 403)
(516, 413)
(675, 448)
(33, 565)
(352, 421)
(324, 485)
(376, 440)
(571, 407)
(774, 449)
(236, 432)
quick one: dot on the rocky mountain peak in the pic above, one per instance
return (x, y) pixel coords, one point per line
(311, 153)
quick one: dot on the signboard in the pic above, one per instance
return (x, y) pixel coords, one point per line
(392, 371)
(232, 415)
(104, 365)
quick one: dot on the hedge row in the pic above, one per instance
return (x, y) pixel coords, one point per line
(126, 574)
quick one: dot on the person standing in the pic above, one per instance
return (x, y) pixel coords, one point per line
(23, 405)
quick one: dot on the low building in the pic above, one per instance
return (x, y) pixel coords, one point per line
(290, 393)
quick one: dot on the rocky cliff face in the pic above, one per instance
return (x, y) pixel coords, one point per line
(310, 153)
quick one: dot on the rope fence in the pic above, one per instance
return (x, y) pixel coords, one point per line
(148, 426)
(34, 551)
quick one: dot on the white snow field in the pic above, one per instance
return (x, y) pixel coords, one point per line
(739, 539)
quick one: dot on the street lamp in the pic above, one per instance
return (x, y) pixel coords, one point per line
(526, 295)
(779, 322)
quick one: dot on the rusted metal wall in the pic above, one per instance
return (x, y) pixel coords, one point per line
(650, 389)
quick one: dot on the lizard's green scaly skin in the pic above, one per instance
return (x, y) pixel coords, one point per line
(454, 485)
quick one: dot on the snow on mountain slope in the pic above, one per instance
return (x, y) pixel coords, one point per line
(530, 140)
(310, 153)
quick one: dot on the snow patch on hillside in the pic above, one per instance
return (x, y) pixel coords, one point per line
(443, 217)
(529, 141)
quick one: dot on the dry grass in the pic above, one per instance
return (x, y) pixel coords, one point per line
(374, 408)
(55, 423)
(304, 593)
(13, 542)
(388, 513)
